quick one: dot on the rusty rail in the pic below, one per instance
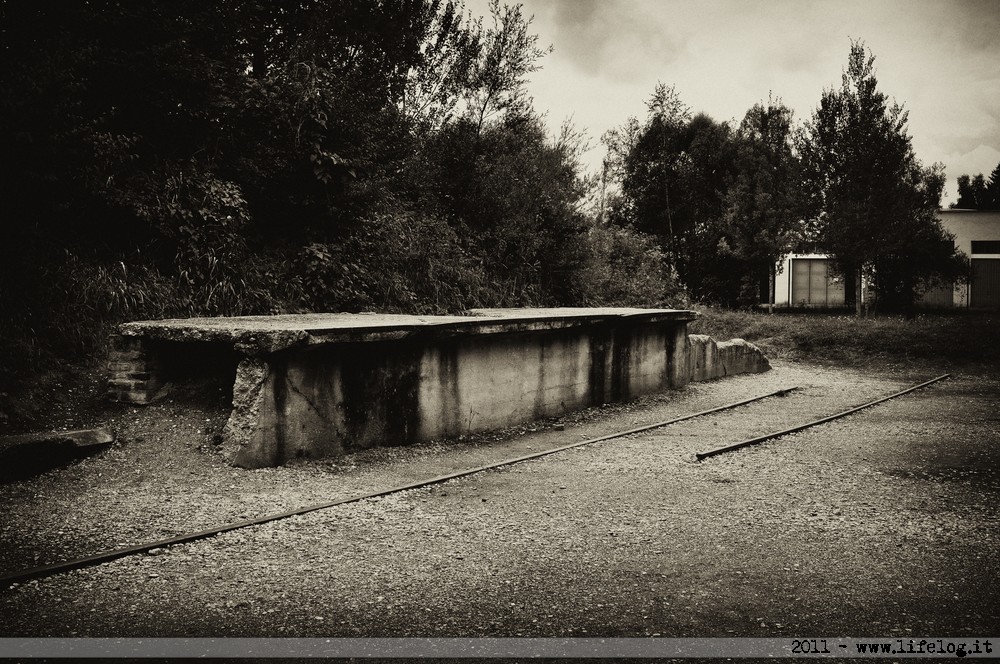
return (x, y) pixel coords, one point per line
(771, 436)
(107, 556)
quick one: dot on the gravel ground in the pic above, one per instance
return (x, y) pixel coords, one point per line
(881, 524)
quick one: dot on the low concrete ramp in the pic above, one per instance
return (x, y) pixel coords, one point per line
(711, 359)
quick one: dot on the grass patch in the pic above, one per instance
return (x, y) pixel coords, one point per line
(965, 340)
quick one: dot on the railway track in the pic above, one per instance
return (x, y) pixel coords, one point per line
(110, 555)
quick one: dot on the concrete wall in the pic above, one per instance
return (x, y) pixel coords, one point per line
(341, 398)
(968, 226)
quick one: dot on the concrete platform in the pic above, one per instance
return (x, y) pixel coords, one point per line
(321, 385)
(273, 333)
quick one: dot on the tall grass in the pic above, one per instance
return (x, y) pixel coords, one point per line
(960, 339)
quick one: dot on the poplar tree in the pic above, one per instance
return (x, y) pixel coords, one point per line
(873, 206)
(762, 214)
(978, 193)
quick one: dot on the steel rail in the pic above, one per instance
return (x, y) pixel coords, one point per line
(699, 456)
(108, 556)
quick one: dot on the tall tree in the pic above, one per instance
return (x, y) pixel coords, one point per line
(978, 193)
(918, 254)
(865, 187)
(510, 51)
(673, 170)
(763, 211)
(619, 143)
(993, 189)
(653, 166)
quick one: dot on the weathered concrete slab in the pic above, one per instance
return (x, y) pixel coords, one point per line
(26, 455)
(434, 379)
(268, 334)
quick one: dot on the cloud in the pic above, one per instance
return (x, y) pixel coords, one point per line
(603, 38)
(976, 23)
(939, 59)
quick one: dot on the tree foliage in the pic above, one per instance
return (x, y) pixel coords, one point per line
(509, 53)
(222, 157)
(872, 205)
(993, 188)
(976, 193)
(763, 204)
(670, 175)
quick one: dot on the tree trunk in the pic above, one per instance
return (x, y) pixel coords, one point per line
(909, 298)
(857, 292)
(772, 274)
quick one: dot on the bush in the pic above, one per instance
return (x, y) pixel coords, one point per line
(627, 268)
(75, 303)
(204, 219)
(403, 263)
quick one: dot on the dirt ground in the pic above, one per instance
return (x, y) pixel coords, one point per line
(885, 523)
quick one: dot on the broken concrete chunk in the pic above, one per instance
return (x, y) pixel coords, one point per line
(711, 359)
(76, 439)
(27, 455)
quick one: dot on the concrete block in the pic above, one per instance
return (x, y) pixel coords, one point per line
(738, 356)
(140, 397)
(703, 357)
(334, 398)
(322, 385)
(710, 359)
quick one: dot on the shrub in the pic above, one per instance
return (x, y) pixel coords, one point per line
(627, 268)
(76, 303)
(404, 262)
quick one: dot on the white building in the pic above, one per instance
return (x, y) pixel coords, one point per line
(806, 280)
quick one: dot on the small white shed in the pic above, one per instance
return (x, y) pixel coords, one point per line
(808, 280)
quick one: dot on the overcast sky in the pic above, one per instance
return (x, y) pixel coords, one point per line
(940, 59)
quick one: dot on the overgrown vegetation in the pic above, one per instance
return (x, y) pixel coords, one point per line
(167, 159)
(226, 158)
(965, 341)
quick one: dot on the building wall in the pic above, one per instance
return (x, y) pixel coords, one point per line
(971, 228)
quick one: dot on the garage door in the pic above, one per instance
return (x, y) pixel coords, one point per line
(984, 292)
(812, 284)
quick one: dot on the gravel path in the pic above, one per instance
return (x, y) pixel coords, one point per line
(883, 523)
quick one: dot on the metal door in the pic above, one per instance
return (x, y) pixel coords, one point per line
(812, 284)
(984, 291)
